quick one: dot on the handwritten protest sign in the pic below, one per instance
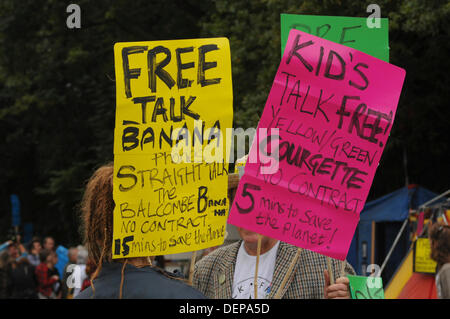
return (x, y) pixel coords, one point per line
(174, 99)
(349, 31)
(366, 287)
(333, 107)
(422, 260)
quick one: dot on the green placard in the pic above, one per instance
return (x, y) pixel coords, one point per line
(366, 287)
(349, 31)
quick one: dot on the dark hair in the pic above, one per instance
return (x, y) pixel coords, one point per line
(43, 255)
(440, 243)
(31, 244)
(36, 239)
(46, 238)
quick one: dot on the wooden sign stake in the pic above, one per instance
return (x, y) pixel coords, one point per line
(258, 252)
(343, 268)
(330, 271)
(288, 273)
(191, 268)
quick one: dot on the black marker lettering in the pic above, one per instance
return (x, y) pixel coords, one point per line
(157, 69)
(128, 73)
(203, 65)
(294, 52)
(183, 83)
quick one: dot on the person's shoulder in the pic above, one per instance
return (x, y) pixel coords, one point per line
(445, 270)
(84, 294)
(168, 286)
(220, 254)
(446, 266)
(225, 249)
(179, 289)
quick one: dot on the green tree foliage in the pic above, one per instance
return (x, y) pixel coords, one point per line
(57, 97)
(57, 90)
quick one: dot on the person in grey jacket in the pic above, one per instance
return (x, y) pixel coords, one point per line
(228, 272)
(440, 252)
(214, 275)
(120, 278)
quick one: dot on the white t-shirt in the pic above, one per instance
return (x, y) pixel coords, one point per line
(244, 273)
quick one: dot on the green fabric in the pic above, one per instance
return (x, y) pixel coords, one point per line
(366, 287)
(349, 31)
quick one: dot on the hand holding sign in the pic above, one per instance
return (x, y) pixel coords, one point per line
(339, 290)
(366, 287)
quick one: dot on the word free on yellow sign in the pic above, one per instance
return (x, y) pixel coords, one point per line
(174, 105)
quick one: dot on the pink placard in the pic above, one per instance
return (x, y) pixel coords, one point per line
(333, 107)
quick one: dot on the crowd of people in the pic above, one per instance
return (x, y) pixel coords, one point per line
(28, 271)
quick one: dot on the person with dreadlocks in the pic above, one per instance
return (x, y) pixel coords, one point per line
(133, 278)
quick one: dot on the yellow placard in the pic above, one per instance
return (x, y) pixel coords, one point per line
(174, 106)
(422, 260)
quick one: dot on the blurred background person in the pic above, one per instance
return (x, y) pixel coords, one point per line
(440, 252)
(18, 248)
(4, 258)
(49, 243)
(34, 250)
(13, 252)
(21, 279)
(5, 245)
(53, 272)
(44, 279)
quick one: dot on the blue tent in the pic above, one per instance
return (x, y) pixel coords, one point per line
(388, 212)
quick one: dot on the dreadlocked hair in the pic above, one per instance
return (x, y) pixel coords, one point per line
(97, 209)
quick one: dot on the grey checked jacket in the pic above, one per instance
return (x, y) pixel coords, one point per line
(213, 274)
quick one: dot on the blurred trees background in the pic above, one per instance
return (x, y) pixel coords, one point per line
(57, 90)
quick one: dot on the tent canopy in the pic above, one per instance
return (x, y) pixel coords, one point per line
(394, 207)
(391, 210)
